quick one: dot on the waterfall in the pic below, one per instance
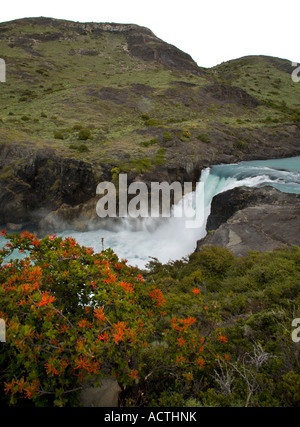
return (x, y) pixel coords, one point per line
(168, 238)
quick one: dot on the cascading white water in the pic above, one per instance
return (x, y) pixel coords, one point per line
(137, 240)
(168, 238)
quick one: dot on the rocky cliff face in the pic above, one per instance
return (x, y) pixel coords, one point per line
(41, 182)
(247, 219)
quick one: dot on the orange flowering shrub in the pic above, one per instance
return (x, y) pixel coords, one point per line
(69, 313)
(194, 342)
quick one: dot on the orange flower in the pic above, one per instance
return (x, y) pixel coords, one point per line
(84, 323)
(196, 291)
(31, 389)
(181, 342)
(182, 324)
(104, 337)
(222, 338)
(134, 374)
(157, 296)
(120, 331)
(50, 369)
(126, 286)
(180, 359)
(119, 336)
(8, 386)
(99, 314)
(92, 366)
(36, 242)
(200, 362)
(46, 299)
(23, 387)
(82, 363)
(21, 384)
(94, 284)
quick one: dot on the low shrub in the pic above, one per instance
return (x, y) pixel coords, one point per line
(167, 136)
(58, 134)
(84, 134)
(204, 138)
(152, 122)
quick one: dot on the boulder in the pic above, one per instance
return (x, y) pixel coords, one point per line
(259, 219)
(106, 394)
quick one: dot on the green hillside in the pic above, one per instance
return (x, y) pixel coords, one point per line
(120, 99)
(61, 78)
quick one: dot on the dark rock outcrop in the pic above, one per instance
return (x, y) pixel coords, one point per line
(247, 219)
(230, 94)
(226, 204)
(41, 182)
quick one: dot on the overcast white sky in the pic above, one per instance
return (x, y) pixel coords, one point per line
(211, 31)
